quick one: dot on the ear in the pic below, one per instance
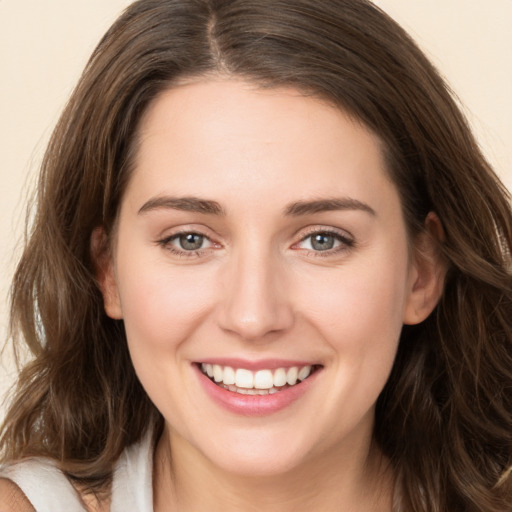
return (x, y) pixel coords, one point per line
(105, 276)
(427, 273)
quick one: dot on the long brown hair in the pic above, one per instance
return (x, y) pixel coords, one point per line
(445, 417)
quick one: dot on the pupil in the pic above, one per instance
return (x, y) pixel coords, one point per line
(191, 241)
(322, 242)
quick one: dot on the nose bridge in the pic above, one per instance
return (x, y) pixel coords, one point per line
(254, 301)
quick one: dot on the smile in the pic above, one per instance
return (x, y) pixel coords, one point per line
(261, 382)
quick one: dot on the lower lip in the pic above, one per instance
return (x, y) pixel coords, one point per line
(254, 405)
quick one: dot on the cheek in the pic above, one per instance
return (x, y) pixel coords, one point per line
(359, 314)
(363, 299)
(162, 305)
(163, 310)
(360, 319)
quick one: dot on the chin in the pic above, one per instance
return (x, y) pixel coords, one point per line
(256, 465)
(257, 455)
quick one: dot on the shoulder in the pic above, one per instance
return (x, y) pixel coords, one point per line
(40, 485)
(12, 498)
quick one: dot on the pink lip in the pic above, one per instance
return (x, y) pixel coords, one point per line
(254, 405)
(263, 364)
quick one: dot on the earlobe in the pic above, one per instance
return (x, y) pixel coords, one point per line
(428, 272)
(104, 271)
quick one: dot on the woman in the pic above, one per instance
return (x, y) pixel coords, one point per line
(269, 270)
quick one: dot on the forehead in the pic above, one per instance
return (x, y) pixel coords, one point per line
(230, 138)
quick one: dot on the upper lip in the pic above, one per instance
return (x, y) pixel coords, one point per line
(255, 365)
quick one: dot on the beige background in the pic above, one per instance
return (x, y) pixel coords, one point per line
(44, 45)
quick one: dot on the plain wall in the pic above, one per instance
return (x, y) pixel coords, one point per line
(45, 44)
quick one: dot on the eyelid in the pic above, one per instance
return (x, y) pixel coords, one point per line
(166, 242)
(312, 230)
(346, 240)
(177, 236)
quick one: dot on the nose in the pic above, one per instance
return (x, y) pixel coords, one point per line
(255, 302)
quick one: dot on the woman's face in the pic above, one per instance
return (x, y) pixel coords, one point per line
(261, 239)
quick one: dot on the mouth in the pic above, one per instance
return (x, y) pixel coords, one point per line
(261, 382)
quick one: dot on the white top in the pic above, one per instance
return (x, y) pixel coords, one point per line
(49, 490)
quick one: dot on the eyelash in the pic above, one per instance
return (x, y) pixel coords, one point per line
(182, 253)
(345, 243)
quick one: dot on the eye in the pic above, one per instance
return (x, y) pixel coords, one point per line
(322, 241)
(190, 241)
(325, 241)
(186, 243)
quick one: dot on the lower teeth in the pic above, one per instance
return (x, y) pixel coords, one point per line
(252, 391)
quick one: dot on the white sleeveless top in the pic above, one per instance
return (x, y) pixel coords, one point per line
(49, 490)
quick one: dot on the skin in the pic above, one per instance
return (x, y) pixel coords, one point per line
(258, 289)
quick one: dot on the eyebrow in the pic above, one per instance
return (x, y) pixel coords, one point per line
(296, 209)
(324, 205)
(187, 204)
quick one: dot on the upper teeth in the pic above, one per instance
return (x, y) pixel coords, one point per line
(262, 379)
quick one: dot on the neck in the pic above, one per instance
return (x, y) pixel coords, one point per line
(335, 481)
